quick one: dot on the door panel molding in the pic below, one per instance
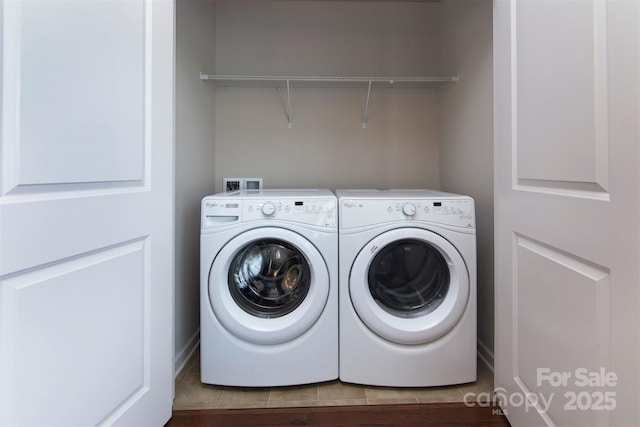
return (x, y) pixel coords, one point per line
(584, 190)
(77, 108)
(108, 287)
(553, 95)
(547, 281)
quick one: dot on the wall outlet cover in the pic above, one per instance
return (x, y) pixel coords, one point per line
(232, 184)
(253, 183)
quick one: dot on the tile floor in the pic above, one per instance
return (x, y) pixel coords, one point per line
(192, 394)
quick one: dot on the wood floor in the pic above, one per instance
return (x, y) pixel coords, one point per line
(432, 414)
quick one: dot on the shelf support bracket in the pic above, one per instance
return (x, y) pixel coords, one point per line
(289, 112)
(366, 107)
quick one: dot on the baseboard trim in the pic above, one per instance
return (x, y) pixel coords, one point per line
(183, 356)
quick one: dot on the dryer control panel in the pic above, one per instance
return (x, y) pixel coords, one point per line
(456, 212)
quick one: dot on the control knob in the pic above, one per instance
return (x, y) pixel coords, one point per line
(409, 209)
(268, 209)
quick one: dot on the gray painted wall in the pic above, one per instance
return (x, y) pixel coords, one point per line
(194, 158)
(466, 147)
(327, 146)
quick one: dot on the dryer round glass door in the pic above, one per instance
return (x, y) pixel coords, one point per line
(409, 286)
(268, 285)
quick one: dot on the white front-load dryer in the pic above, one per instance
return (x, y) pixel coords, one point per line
(407, 287)
(269, 300)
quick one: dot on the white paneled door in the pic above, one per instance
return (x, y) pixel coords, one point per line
(567, 137)
(86, 216)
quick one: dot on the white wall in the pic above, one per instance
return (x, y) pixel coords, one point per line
(327, 146)
(194, 159)
(466, 148)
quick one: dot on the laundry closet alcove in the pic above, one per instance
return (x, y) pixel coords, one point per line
(436, 135)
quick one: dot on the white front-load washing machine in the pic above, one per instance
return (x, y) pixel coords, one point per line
(269, 300)
(407, 287)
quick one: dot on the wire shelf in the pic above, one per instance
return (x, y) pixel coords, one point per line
(291, 83)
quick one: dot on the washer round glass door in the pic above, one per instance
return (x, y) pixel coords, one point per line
(268, 285)
(269, 278)
(409, 286)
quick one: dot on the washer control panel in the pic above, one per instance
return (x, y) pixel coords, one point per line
(319, 212)
(457, 212)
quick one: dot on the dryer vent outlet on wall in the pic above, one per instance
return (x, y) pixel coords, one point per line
(234, 184)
